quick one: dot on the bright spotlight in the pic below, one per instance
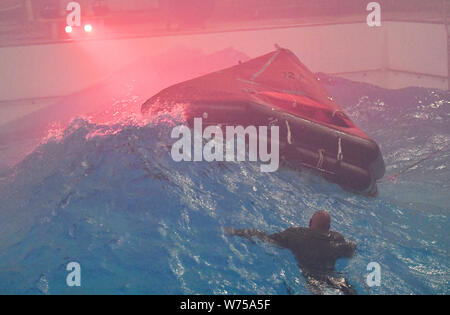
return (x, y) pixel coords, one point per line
(88, 28)
(68, 29)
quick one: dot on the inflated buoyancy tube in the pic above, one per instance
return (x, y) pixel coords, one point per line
(277, 89)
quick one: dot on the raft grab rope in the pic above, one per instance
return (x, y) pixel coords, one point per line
(393, 177)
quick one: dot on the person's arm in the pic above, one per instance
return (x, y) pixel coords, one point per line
(279, 239)
(249, 233)
(344, 249)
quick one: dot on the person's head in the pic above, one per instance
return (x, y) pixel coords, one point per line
(320, 221)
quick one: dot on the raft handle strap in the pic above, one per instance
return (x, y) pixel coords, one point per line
(289, 135)
(321, 159)
(340, 155)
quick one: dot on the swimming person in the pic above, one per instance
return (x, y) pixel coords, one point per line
(316, 250)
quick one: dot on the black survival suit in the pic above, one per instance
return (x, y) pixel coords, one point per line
(316, 253)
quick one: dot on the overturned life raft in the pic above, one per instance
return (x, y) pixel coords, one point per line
(277, 89)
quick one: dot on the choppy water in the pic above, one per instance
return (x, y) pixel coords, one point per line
(110, 197)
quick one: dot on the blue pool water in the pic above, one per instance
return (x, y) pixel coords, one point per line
(110, 197)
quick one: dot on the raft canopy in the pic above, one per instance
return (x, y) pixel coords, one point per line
(278, 79)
